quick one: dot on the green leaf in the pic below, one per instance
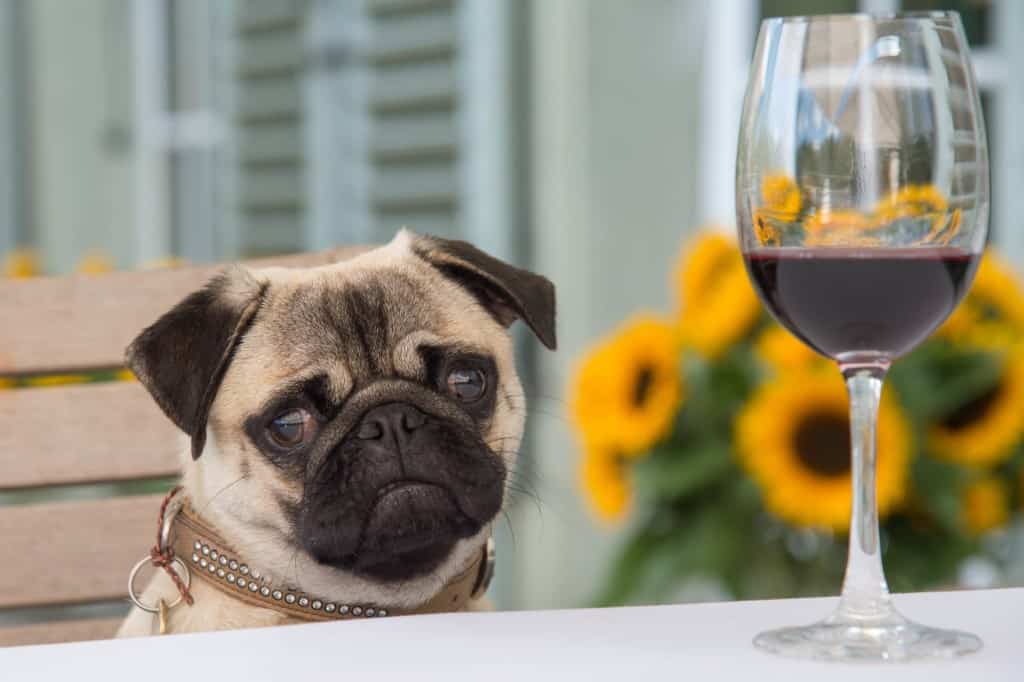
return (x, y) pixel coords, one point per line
(938, 378)
(675, 544)
(919, 557)
(939, 486)
(715, 392)
(676, 473)
(641, 557)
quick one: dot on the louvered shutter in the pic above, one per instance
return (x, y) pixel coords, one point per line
(9, 196)
(359, 117)
(413, 116)
(271, 195)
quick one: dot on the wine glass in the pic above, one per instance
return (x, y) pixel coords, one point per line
(862, 200)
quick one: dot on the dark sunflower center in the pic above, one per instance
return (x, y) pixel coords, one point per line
(988, 310)
(642, 387)
(822, 443)
(973, 411)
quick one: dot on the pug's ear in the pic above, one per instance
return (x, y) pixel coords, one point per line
(507, 292)
(181, 358)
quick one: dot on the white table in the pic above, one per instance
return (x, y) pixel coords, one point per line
(701, 642)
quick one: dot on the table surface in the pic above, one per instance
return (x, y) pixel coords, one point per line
(681, 642)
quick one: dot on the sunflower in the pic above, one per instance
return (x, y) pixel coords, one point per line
(840, 228)
(719, 305)
(985, 430)
(604, 477)
(781, 204)
(992, 314)
(793, 437)
(781, 196)
(765, 231)
(626, 390)
(94, 262)
(914, 201)
(782, 352)
(985, 505)
(21, 264)
(6, 383)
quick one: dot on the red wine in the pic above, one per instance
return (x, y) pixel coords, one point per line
(849, 302)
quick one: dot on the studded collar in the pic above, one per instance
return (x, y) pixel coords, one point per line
(212, 560)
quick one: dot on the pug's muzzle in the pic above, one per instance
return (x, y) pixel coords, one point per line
(396, 480)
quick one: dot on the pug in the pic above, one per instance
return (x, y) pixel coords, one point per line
(351, 429)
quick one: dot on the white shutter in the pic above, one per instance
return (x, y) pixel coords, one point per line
(444, 86)
(269, 127)
(356, 118)
(10, 199)
(382, 119)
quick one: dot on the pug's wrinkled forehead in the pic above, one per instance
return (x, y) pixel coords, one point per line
(248, 334)
(357, 325)
(340, 330)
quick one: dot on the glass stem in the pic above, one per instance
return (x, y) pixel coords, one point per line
(865, 594)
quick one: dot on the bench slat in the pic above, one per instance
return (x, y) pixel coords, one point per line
(59, 632)
(73, 552)
(91, 433)
(78, 322)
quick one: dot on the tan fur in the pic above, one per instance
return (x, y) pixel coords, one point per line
(238, 505)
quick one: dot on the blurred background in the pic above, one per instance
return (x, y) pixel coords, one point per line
(585, 139)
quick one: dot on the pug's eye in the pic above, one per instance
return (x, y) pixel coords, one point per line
(467, 384)
(292, 428)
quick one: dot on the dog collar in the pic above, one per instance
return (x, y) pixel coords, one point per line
(210, 558)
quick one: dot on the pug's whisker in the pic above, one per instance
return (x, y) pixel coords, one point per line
(518, 487)
(217, 494)
(547, 398)
(534, 501)
(515, 490)
(555, 415)
(521, 485)
(530, 397)
(295, 568)
(521, 475)
(496, 442)
(501, 437)
(524, 489)
(511, 528)
(550, 415)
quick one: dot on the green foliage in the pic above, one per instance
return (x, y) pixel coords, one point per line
(936, 379)
(700, 516)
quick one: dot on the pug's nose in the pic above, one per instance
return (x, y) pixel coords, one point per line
(392, 424)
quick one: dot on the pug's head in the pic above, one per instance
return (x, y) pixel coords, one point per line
(352, 425)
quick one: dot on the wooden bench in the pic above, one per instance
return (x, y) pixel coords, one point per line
(68, 537)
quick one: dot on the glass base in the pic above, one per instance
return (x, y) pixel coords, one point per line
(892, 638)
